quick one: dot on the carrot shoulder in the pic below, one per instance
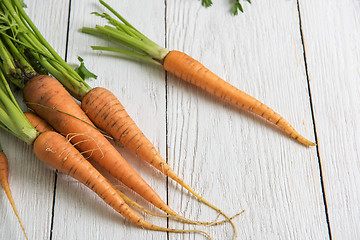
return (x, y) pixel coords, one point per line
(46, 96)
(192, 71)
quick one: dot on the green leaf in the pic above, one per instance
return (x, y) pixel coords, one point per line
(206, 3)
(83, 71)
(237, 6)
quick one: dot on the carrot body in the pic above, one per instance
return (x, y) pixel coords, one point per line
(44, 93)
(37, 122)
(192, 71)
(107, 113)
(4, 176)
(56, 151)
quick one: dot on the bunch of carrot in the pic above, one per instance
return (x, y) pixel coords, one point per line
(25, 54)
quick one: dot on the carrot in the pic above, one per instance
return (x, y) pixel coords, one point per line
(106, 111)
(193, 72)
(4, 176)
(185, 68)
(57, 152)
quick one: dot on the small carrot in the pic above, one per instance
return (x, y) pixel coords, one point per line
(4, 176)
(186, 68)
(57, 152)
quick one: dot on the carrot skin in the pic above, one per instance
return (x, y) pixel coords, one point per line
(107, 113)
(193, 72)
(37, 122)
(56, 151)
(51, 94)
(4, 181)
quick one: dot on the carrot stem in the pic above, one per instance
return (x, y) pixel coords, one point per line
(127, 53)
(24, 32)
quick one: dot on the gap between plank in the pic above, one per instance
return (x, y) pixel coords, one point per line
(314, 124)
(166, 119)
(56, 175)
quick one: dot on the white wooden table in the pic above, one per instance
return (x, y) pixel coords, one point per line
(302, 58)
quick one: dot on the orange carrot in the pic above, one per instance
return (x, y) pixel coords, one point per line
(107, 113)
(193, 72)
(4, 176)
(45, 91)
(183, 67)
(57, 152)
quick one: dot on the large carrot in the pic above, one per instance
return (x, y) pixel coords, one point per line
(40, 49)
(185, 68)
(4, 181)
(56, 151)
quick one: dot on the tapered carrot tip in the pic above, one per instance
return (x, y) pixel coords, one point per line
(4, 172)
(307, 142)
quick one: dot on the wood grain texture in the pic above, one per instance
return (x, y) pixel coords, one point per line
(331, 36)
(230, 157)
(32, 182)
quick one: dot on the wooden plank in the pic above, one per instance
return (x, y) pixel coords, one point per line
(79, 214)
(331, 36)
(32, 182)
(233, 159)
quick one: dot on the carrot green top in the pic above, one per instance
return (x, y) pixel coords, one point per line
(12, 118)
(126, 37)
(32, 53)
